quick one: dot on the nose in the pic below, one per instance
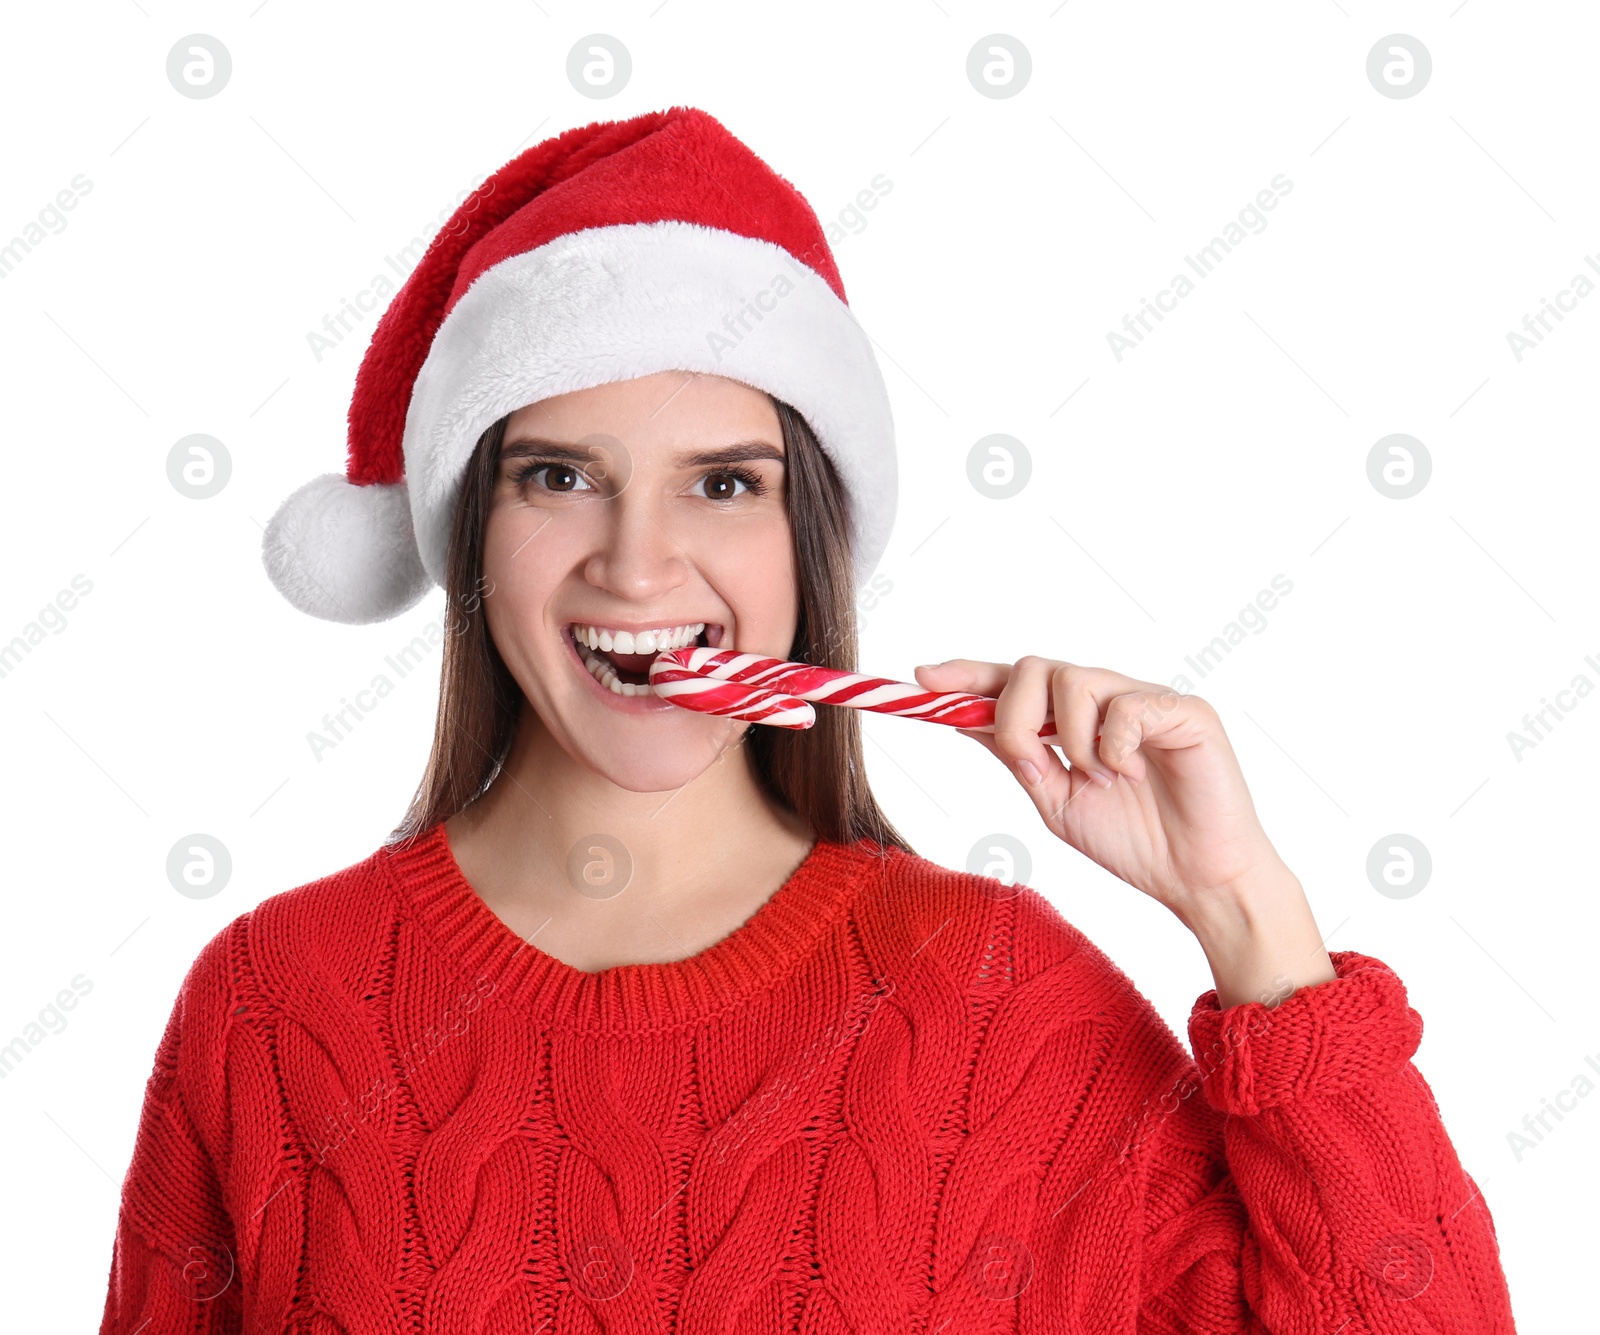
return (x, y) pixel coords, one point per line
(636, 556)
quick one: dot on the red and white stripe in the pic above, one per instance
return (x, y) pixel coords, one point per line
(775, 692)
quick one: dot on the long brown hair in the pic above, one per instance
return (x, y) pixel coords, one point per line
(819, 773)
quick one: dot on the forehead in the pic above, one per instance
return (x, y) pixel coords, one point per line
(672, 420)
(608, 448)
(672, 407)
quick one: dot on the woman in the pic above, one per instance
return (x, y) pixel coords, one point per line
(648, 1020)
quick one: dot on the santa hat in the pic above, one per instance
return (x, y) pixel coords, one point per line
(611, 251)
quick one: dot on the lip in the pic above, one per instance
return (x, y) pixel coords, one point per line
(634, 627)
(624, 704)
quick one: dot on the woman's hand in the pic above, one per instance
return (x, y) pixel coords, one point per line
(1155, 795)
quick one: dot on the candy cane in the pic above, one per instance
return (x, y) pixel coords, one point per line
(775, 692)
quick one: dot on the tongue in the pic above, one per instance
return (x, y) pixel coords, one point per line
(633, 668)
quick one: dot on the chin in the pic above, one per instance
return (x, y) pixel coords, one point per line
(638, 770)
(636, 775)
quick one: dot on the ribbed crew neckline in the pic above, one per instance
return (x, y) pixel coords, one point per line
(767, 947)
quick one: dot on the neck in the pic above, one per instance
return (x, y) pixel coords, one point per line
(554, 836)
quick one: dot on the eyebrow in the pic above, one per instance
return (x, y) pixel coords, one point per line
(738, 452)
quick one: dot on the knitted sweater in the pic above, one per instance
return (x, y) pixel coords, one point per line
(897, 1098)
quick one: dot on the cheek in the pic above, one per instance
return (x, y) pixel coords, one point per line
(521, 562)
(518, 534)
(753, 567)
(757, 545)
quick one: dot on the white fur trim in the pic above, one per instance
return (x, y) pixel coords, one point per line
(345, 553)
(613, 303)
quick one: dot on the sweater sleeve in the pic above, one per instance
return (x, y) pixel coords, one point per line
(1312, 1186)
(172, 1262)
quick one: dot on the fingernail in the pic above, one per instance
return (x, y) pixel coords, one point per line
(1102, 778)
(1029, 770)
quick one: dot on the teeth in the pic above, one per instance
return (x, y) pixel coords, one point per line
(606, 675)
(637, 642)
(589, 638)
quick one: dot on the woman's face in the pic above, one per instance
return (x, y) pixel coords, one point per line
(647, 504)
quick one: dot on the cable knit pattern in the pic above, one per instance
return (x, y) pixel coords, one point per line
(897, 1100)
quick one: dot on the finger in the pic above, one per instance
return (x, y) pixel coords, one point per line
(1051, 792)
(1147, 718)
(1050, 781)
(1088, 746)
(964, 674)
(1076, 694)
(1020, 710)
(1121, 734)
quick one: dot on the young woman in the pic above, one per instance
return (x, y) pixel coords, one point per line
(648, 1020)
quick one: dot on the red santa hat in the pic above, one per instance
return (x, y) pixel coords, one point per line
(611, 251)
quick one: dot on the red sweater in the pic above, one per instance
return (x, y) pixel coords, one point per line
(898, 1098)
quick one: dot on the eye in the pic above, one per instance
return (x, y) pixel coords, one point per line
(525, 472)
(751, 481)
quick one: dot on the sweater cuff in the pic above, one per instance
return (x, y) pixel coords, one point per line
(1326, 1037)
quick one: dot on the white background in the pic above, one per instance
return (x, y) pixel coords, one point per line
(1168, 488)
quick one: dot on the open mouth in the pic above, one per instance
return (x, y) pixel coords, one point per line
(629, 673)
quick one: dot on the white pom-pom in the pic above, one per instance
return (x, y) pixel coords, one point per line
(345, 553)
